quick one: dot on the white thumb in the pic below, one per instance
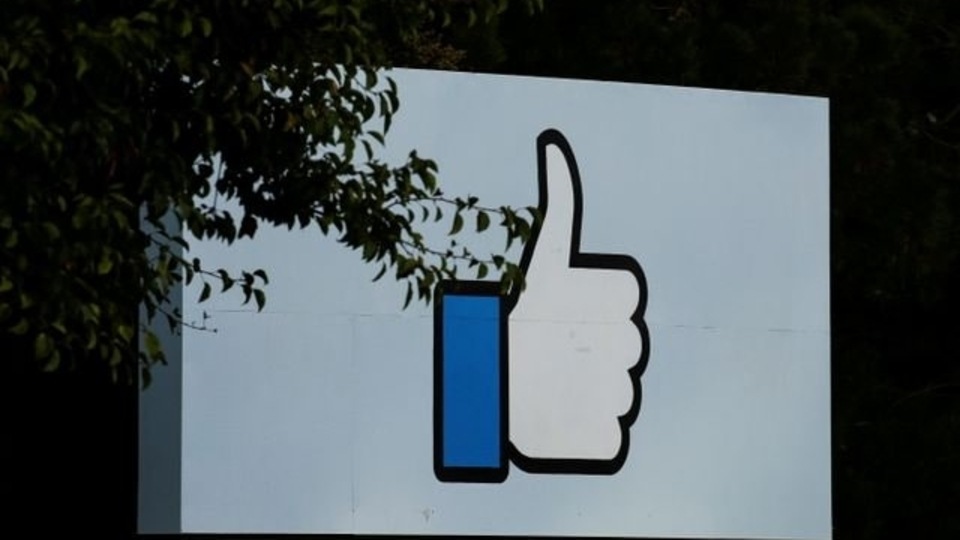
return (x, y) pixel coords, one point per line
(560, 203)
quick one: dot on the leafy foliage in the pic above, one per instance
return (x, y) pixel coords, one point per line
(123, 121)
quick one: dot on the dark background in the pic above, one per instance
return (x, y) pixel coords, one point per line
(892, 72)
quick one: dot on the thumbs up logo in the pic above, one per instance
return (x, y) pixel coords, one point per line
(548, 378)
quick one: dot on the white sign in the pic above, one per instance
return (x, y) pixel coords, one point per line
(665, 373)
(559, 375)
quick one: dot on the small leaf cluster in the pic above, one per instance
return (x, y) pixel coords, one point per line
(423, 265)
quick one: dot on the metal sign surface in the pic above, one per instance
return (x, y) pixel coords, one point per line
(664, 374)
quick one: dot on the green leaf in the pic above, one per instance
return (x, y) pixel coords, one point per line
(105, 265)
(260, 298)
(145, 377)
(29, 94)
(260, 273)
(354, 11)
(481, 271)
(205, 293)
(409, 297)
(15, 58)
(405, 267)
(82, 67)
(53, 362)
(91, 339)
(457, 224)
(42, 346)
(20, 328)
(225, 279)
(125, 332)
(383, 270)
(523, 229)
(152, 344)
(248, 226)
(146, 16)
(5, 284)
(51, 231)
(483, 221)
(429, 180)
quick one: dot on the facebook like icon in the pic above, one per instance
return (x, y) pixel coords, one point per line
(548, 378)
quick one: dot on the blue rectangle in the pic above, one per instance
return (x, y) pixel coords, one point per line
(471, 381)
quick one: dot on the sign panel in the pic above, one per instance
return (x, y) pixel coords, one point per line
(665, 372)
